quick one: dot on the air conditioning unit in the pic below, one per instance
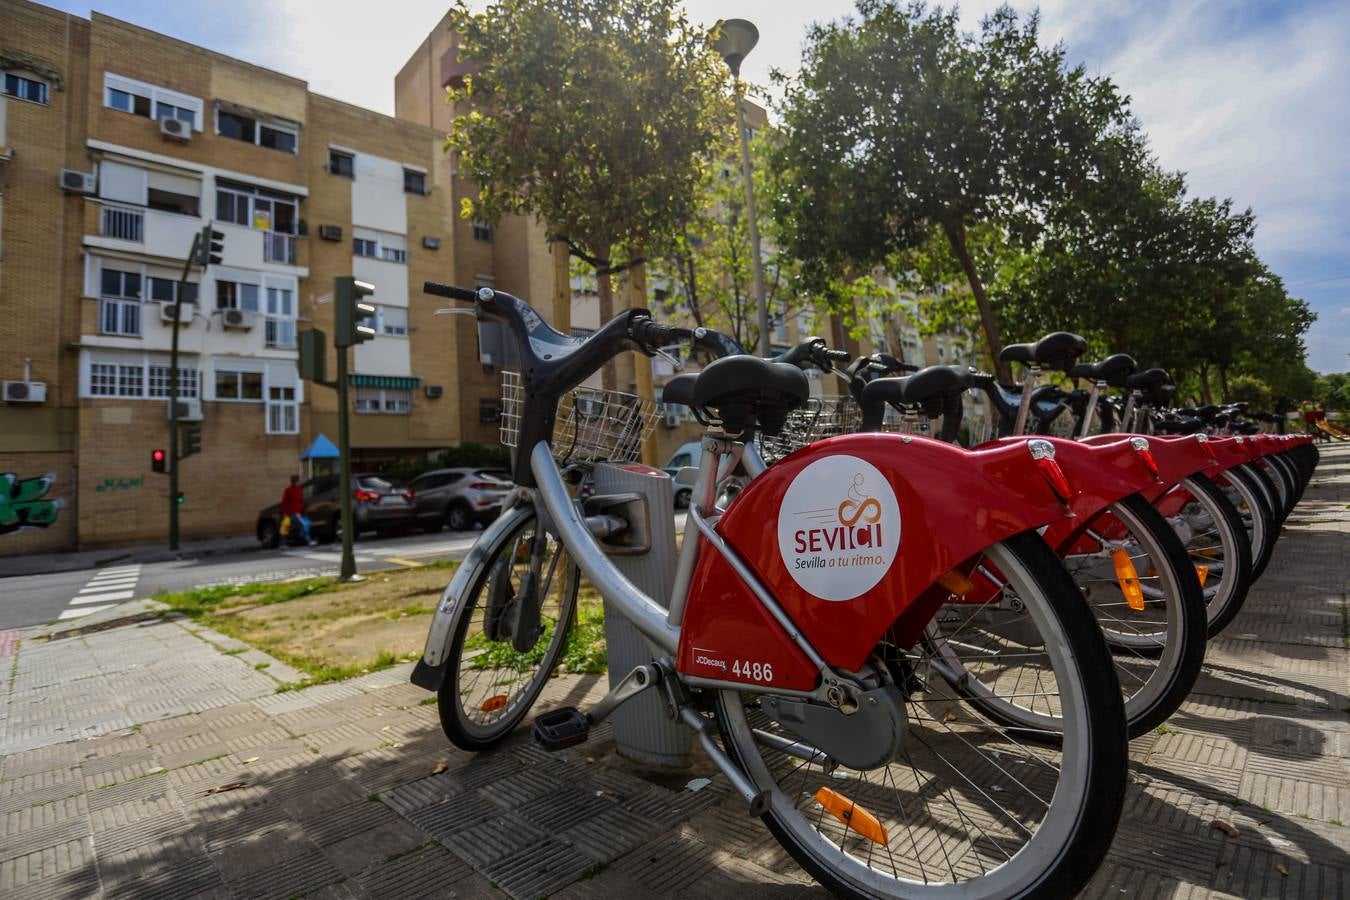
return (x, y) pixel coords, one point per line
(189, 410)
(434, 391)
(76, 182)
(175, 130)
(237, 318)
(167, 311)
(485, 359)
(673, 420)
(330, 232)
(25, 392)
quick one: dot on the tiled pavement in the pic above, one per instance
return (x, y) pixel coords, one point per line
(151, 759)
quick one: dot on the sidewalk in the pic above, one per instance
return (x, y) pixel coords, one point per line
(74, 561)
(148, 760)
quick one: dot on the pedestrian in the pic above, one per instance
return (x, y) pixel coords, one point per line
(293, 506)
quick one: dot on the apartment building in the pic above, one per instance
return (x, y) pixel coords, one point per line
(118, 145)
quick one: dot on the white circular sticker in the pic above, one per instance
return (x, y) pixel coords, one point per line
(838, 527)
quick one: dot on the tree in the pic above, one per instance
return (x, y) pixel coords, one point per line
(595, 116)
(899, 124)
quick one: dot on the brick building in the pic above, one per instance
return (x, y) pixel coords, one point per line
(118, 144)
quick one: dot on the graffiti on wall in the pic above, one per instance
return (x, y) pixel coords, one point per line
(22, 503)
(119, 484)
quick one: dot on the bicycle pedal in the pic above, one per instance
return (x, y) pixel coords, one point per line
(561, 728)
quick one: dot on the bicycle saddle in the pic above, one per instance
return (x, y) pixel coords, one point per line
(748, 392)
(1056, 350)
(1147, 379)
(1113, 370)
(931, 383)
(680, 389)
(1178, 426)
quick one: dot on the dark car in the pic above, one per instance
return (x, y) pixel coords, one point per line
(378, 504)
(459, 498)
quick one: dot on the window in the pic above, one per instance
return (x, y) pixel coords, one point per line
(150, 101)
(272, 135)
(165, 290)
(394, 254)
(391, 320)
(482, 231)
(120, 303)
(189, 382)
(414, 182)
(365, 247)
(280, 326)
(340, 163)
(379, 245)
(170, 202)
(242, 204)
(283, 413)
(29, 89)
(276, 138)
(236, 295)
(244, 386)
(490, 411)
(383, 400)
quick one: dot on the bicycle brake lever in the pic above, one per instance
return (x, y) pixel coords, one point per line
(675, 362)
(456, 311)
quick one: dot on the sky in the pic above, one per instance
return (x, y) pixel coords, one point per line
(1248, 97)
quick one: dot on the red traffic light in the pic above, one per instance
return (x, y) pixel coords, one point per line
(157, 459)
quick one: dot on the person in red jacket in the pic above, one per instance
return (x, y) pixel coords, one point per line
(293, 505)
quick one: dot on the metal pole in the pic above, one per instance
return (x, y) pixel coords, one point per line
(748, 172)
(174, 454)
(348, 569)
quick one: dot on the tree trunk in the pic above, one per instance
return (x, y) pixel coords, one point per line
(1223, 384)
(642, 364)
(957, 237)
(694, 309)
(562, 287)
(1205, 396)
(608, 375)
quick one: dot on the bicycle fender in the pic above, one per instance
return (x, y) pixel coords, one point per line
(430, 669)
(846, 534)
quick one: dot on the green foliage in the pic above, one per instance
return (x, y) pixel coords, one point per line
(900, 126)
(584, 652)
(1253, 390)
(596, 116)
(204, 601)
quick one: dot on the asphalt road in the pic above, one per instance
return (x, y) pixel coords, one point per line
(39, 599)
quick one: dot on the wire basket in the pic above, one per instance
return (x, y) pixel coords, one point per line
(823, 417)
(591, 424)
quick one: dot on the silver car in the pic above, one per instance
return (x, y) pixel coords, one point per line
(459, 498)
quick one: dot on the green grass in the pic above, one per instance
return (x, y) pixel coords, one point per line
(320, 673)
(1165, 729)
(584, 652)
(200, 602)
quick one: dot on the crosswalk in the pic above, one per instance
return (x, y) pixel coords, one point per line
(106, 589)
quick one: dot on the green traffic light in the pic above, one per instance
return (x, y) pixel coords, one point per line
(179, 498)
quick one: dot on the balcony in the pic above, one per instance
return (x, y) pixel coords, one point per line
(279, 248)
(123, 223)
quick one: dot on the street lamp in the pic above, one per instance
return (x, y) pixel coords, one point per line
(735, 39)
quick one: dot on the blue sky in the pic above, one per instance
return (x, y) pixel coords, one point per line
(1249, 97)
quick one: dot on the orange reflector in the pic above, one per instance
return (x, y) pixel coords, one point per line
(852, 815)
(1202, 573)
(493, 703)
(955, 582)
(1128, 579)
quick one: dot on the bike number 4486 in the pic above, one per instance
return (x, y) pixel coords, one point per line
(752, 670)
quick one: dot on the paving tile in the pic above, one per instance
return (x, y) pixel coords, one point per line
(373, 846)
(546, 868)
(430, 872)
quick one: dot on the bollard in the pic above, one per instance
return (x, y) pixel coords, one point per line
(645, 553)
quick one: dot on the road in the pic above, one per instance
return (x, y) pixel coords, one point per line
(38, 599)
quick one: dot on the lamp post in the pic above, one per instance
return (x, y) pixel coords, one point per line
(735, 39)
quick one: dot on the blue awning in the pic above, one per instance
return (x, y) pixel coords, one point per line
(322, 448)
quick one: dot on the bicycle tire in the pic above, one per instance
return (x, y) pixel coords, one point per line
(468, 735)
(1057, 860)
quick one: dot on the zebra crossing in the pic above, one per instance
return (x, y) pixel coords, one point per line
(106, 589)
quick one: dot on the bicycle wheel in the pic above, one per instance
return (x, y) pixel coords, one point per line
(1283, 479)
(491, 682)
(1212, 531)
(1254, 510)
(963, 807)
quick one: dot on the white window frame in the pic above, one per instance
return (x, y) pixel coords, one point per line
(383, 328)
(238, 370)
(157, 380)
(237, 301)
(283, 412)
(375, 241)
(252, 194)
(154, 95)
(259, 123)
(383, 403)
(135, 367)
(275, 318)
(124, 308)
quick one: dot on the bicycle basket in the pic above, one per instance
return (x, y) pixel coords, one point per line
(591, 424)
(823, 417)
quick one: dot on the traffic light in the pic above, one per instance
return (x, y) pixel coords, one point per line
(355, 320)
(179, 498)
(210, 245)
(313, 359)
(158, 460)
(192, 441)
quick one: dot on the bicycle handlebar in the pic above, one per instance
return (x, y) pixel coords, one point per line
(457, 293)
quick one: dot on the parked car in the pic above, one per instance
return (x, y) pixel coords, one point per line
(459, 498)
(687, 454)
(378, 504)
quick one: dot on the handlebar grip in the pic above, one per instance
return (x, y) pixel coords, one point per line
(654, 334)
(841, 355)
(450, 291)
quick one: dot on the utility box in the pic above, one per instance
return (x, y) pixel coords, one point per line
(646, 555)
